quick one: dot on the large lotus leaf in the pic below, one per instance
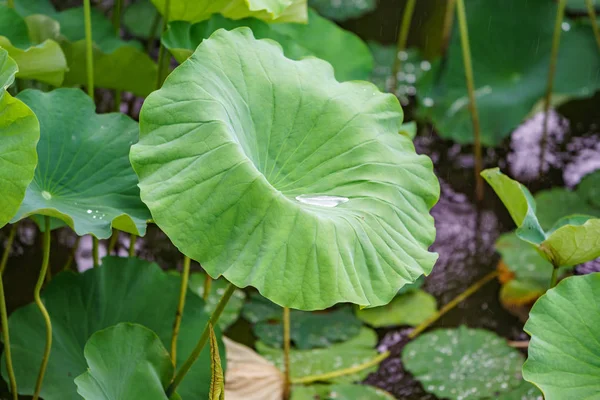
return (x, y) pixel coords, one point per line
(463, 363)
(406, 309)
(125, 361)
(511, 48)
(270, 172)
(564, 352)
(140, 19)
(358, 350)
(217, 288)
(19, 135)
(307, 329)
(343, 391)
(80, 305)
(557, 203)
(266, 10)
(342, 10)
(349, 56)
(83, 176)
(44, 61)
(589, 189)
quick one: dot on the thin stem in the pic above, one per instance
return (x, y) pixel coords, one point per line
(162, 51)
(95, 246)
(179, 313)
(286, 353)
(4, 319)
(554, 278)
(112, 242)
(72, 255)
(560, 13)
(151, 38)
(448, 22)
(11, 3)
(592, 14)
(214, 318)
(132, 241)
(9, 243)
(518, 344)
(457, 300)
(117, 25)
(466, 50)
(402, 39)
(40, 304)
(89, 55)
(206, 287)
(341, 372)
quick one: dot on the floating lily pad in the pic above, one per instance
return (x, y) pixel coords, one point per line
(589, 189)
(307, 330)
(44, 61)
(80, 305)
(358, 350)
(342, 10)
(270, 172)
(557, 203)
(463, 363)
(571, 241)
(266, 10)
(83, 176)
(125, 361)
(19, 134)
(140, 19)
(525, 391)
(406, 309)
(564, 348)
(217, 288)
(510, 48)
(339, 392)
(349, 56)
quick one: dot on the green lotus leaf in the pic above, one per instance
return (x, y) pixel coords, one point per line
(82, 304)
(589, 189)
(409, 129)
(43, 61)
(557, 203)
(83, 176)
(525, 391)
(266, 10)
(31, 7)
(463, 363)
(307, 330)
(580, 5)
(342, 10)
(358, 350)
(349, 56)
(411, 287)
(217, 288)
(564, 352)
(576, 241)
(140, 19)
(339, 392)
(19, 135)
(406, 309)
(125, 361)
(511, 49)
(270, 172)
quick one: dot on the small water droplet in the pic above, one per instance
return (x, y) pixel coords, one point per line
(403, 55)
(428, 102)
(425, 65)
(46, 195)
(321, 200)
(89, 211)
(566, 26)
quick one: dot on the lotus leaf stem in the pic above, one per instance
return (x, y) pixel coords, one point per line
(132, 241)
(179, 313)
(9, 243)
(554, 278)
(206, 287)
(95, 246)
(40, 304)
(448, 22)
(409, 9)
(151, 38)
(593, 21)
(162, 51)
(341, 372)
(117, 25)
(4, 318)
(214, 318)
(560, 13)
(518, 344)
(286, 353)
(11, 3)
(468, 65)
(453, 303)
(89, 55)
(112, 242)
(72, 255)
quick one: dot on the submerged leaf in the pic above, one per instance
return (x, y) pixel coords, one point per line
(406, 309)
(564, 348)
(84, 176)
(125, 361)
(217, 382)
(217, 288)
(270, 172)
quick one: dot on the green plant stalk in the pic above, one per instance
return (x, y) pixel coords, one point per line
(95, 246)
(11, 3)
(152, 36)
(132, 241)
(179, 313)
(9, 243)
(89, 55)
(560, 13)
(162, 51)
(117, 25)
(466, 50)
(112, 242)
(4, 319)
(402, 39)
(592, 13)
(341, 372)
(40, 304)
(72, 255)
(206, 287)
(214, 318)
(554, 278)
(286, 353)
(448, 22)
(453, 303)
